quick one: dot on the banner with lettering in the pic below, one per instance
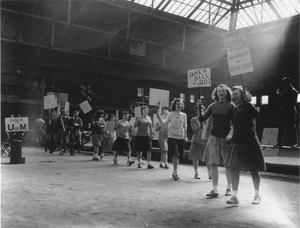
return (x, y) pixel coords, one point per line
(199, 78)
(16, 124)
(238, 52)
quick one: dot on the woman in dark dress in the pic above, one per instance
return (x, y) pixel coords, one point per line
(245, 153)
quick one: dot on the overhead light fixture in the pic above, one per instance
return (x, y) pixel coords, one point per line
(265, 100)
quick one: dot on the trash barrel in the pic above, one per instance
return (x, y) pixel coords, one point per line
(16, 152)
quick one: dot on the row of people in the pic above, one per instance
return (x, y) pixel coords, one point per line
(237, 151)
(63, 132)
(231, 109)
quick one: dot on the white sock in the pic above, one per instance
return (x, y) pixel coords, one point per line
(234, 193)
(215, 188)
(256, 193)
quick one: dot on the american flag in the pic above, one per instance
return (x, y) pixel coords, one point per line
(137, 48)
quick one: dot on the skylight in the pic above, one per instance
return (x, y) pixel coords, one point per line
(218, 12)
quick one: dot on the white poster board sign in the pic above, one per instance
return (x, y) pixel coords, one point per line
(16, 124)
(199, 78)
(85, 106)
(238, 52)
(61, 98)
(50, 102)
(156, 95)
(137, 111)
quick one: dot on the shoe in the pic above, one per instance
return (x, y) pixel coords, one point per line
(142, 162)
(228, 192)
(197, 177)
(175, 177)
(139, 166)
(161, 166)
(116, 162)
(278, 145)
(233, 200)
(212, 194)
(95, 159)
(150, 166)
(256, 200)
(166, 167)
(61, 153)
(101, 157)
(130, 163)
(294, 146)
(72, 154)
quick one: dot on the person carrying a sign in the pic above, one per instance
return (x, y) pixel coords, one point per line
(195, 150)
(51, 132)
(177, 132)
(63, 131)
(245, 153)
(75, 137)
(163, 141)
(97, 127)
(144, 135)
(215, 153)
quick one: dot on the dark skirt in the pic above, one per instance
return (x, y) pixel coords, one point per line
(175, 147)
(121, 145)
(246, 157)
(142, 144)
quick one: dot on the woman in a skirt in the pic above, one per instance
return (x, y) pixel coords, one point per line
(196, 154)
(245, 153)
(177, 132)
(144, 135)
(97, 126)
(109, 134)
(122, 143)
(163, 141)
(216, 149)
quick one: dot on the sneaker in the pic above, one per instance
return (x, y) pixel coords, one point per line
(150, 166)
(294, 146)
(142, 162)
(139, 166)
(130, 163)
(256, 200)
(175, 177)
(166, 167)
(197, 177)
(212, 194)
(161, 166)
(228, 192)
(278, 145)
(233, 200)
(95, 159)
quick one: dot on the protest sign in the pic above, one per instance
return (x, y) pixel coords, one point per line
(238, 52)
(50, 102)
(85, 106)
(16, 124)
(156, 95)
(199, 78)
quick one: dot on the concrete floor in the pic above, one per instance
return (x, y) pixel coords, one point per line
(73, 191)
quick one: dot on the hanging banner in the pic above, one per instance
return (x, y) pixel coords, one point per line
(199, 78)
(238, 52)
(85, 106)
